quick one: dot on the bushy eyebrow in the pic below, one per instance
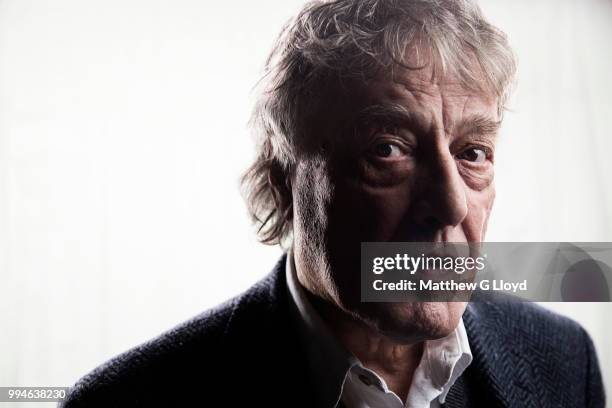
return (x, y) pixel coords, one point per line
(398, 115)
(478, 125)
(388, 114)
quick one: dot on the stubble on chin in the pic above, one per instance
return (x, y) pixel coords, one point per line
(413, 322)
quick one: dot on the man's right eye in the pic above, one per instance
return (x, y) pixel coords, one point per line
(387, 150)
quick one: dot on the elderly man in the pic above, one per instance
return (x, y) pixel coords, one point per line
(377, 121)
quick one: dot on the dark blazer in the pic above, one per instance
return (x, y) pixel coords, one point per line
(246, 353)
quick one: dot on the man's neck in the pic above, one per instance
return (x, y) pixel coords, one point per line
(395, 362)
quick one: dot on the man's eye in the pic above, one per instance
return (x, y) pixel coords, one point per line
(473, 154)
(387, 150)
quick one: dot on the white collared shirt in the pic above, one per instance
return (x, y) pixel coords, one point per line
(442, 362)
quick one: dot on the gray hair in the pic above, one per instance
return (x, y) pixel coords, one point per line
(329, 41)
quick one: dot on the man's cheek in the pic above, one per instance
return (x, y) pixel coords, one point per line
(374, 213)
(480, 204)
(477, 178)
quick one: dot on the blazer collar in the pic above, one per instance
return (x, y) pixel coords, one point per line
(499, 373)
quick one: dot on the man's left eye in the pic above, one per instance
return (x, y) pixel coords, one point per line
(473, 154)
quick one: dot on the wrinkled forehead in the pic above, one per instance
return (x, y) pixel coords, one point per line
(419, 87)
(422, 65)
(423, 87)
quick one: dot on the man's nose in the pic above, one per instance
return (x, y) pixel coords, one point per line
(442, 202)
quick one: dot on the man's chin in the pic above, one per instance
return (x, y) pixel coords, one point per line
(413, 322)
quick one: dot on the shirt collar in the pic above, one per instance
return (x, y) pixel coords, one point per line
(443, 360)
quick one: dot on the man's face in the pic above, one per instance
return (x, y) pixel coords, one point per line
(415, 165)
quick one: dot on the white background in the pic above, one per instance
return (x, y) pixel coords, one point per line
(123, 135)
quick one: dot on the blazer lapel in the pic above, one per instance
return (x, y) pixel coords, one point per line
(499, 373)
(263, 340)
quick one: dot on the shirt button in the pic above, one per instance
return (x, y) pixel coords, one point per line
(365, 379)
